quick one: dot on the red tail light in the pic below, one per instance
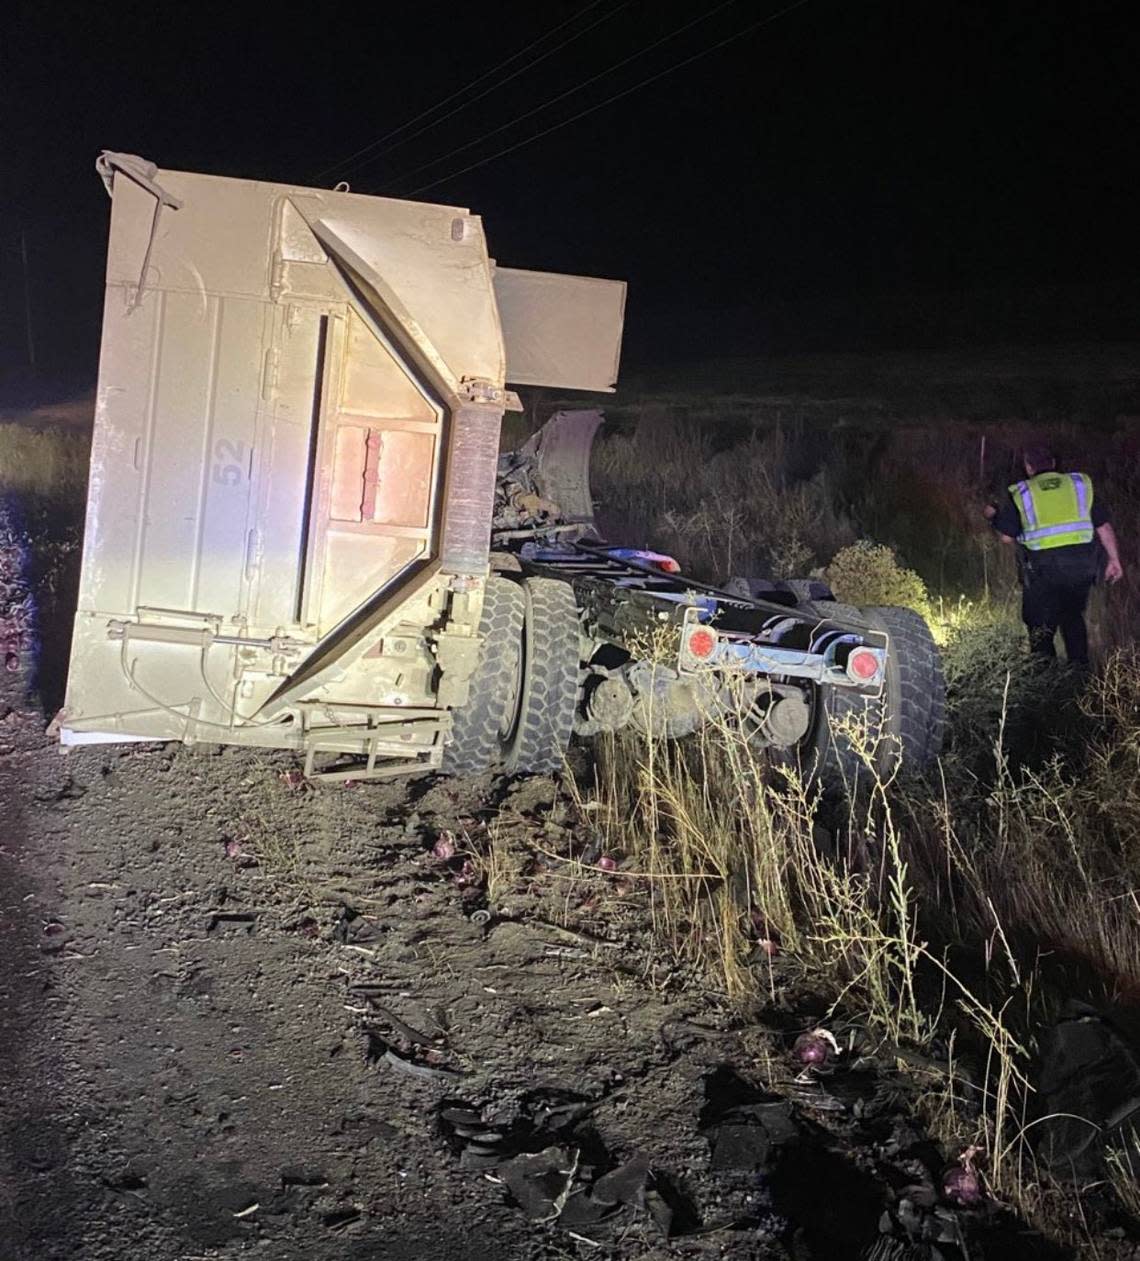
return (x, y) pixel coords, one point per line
(701, 643)
(862, 665)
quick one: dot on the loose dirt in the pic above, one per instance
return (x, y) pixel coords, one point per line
(246, 1015)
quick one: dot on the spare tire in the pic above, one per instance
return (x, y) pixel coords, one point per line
(481, 727)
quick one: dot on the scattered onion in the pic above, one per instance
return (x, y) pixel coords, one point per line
(961, 1185)
(811, 1050)
(606, 863)
(444, 847)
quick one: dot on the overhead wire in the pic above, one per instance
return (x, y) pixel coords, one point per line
(494, 86)
(561, 96)
(617, 96)
(346, 164)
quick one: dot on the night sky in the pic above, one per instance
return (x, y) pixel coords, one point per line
(893, 173)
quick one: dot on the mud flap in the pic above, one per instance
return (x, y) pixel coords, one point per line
(560, 455)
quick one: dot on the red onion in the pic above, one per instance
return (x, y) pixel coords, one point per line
(961, 1185)
(811, 1051)
(815, 1049)
(606, 863)
(444, 847)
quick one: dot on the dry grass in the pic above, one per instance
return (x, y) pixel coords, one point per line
(49, 464)
(1123, 1164)
(1038, 857)
(740, 510)
(496, 858)
(753, 496)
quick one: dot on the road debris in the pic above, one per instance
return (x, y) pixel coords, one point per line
(410, 1035)
(743, 1125)
(413, 1068)
(816, 1050)
(1088, 1092)
(444, 848)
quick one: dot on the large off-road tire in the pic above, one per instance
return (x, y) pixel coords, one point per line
(914, 695)
(481, 728)
(548, 696)
(904, 726)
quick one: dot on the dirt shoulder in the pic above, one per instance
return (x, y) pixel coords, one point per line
(243, 1015)
(205, 965)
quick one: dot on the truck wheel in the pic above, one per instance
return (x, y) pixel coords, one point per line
(809, 589)
(548, 697)
(479, 728)
(914, 695)
(907, 720)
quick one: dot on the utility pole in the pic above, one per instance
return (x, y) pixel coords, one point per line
(28, 300)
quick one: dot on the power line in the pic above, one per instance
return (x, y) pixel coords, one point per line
(376, 144)
(747, 30)
(585, 83)
(495, 86)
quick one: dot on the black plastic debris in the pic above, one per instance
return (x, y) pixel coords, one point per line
(540, 1182)
(555, 1167)
(743, 1125)
(746, 1136)
(340, 1221)
(353, 929)
(834, 1205)
(919, 1229)
(634, 1186)
(378, 1051)
(1088, 1090)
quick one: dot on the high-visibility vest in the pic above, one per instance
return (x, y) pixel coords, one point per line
(1055, 510)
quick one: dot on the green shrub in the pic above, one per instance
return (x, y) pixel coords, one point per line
(869, 573)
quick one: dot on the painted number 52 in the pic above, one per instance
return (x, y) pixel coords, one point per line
(229, 462)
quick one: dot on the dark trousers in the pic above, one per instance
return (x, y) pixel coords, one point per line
(1052, 602)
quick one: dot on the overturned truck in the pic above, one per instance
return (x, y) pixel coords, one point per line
(301, 534)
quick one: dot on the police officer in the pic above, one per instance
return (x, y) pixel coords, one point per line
(1055, 520)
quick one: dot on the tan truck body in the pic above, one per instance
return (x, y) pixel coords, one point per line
(294, 459)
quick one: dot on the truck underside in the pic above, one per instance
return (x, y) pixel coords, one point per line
(658, 652)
